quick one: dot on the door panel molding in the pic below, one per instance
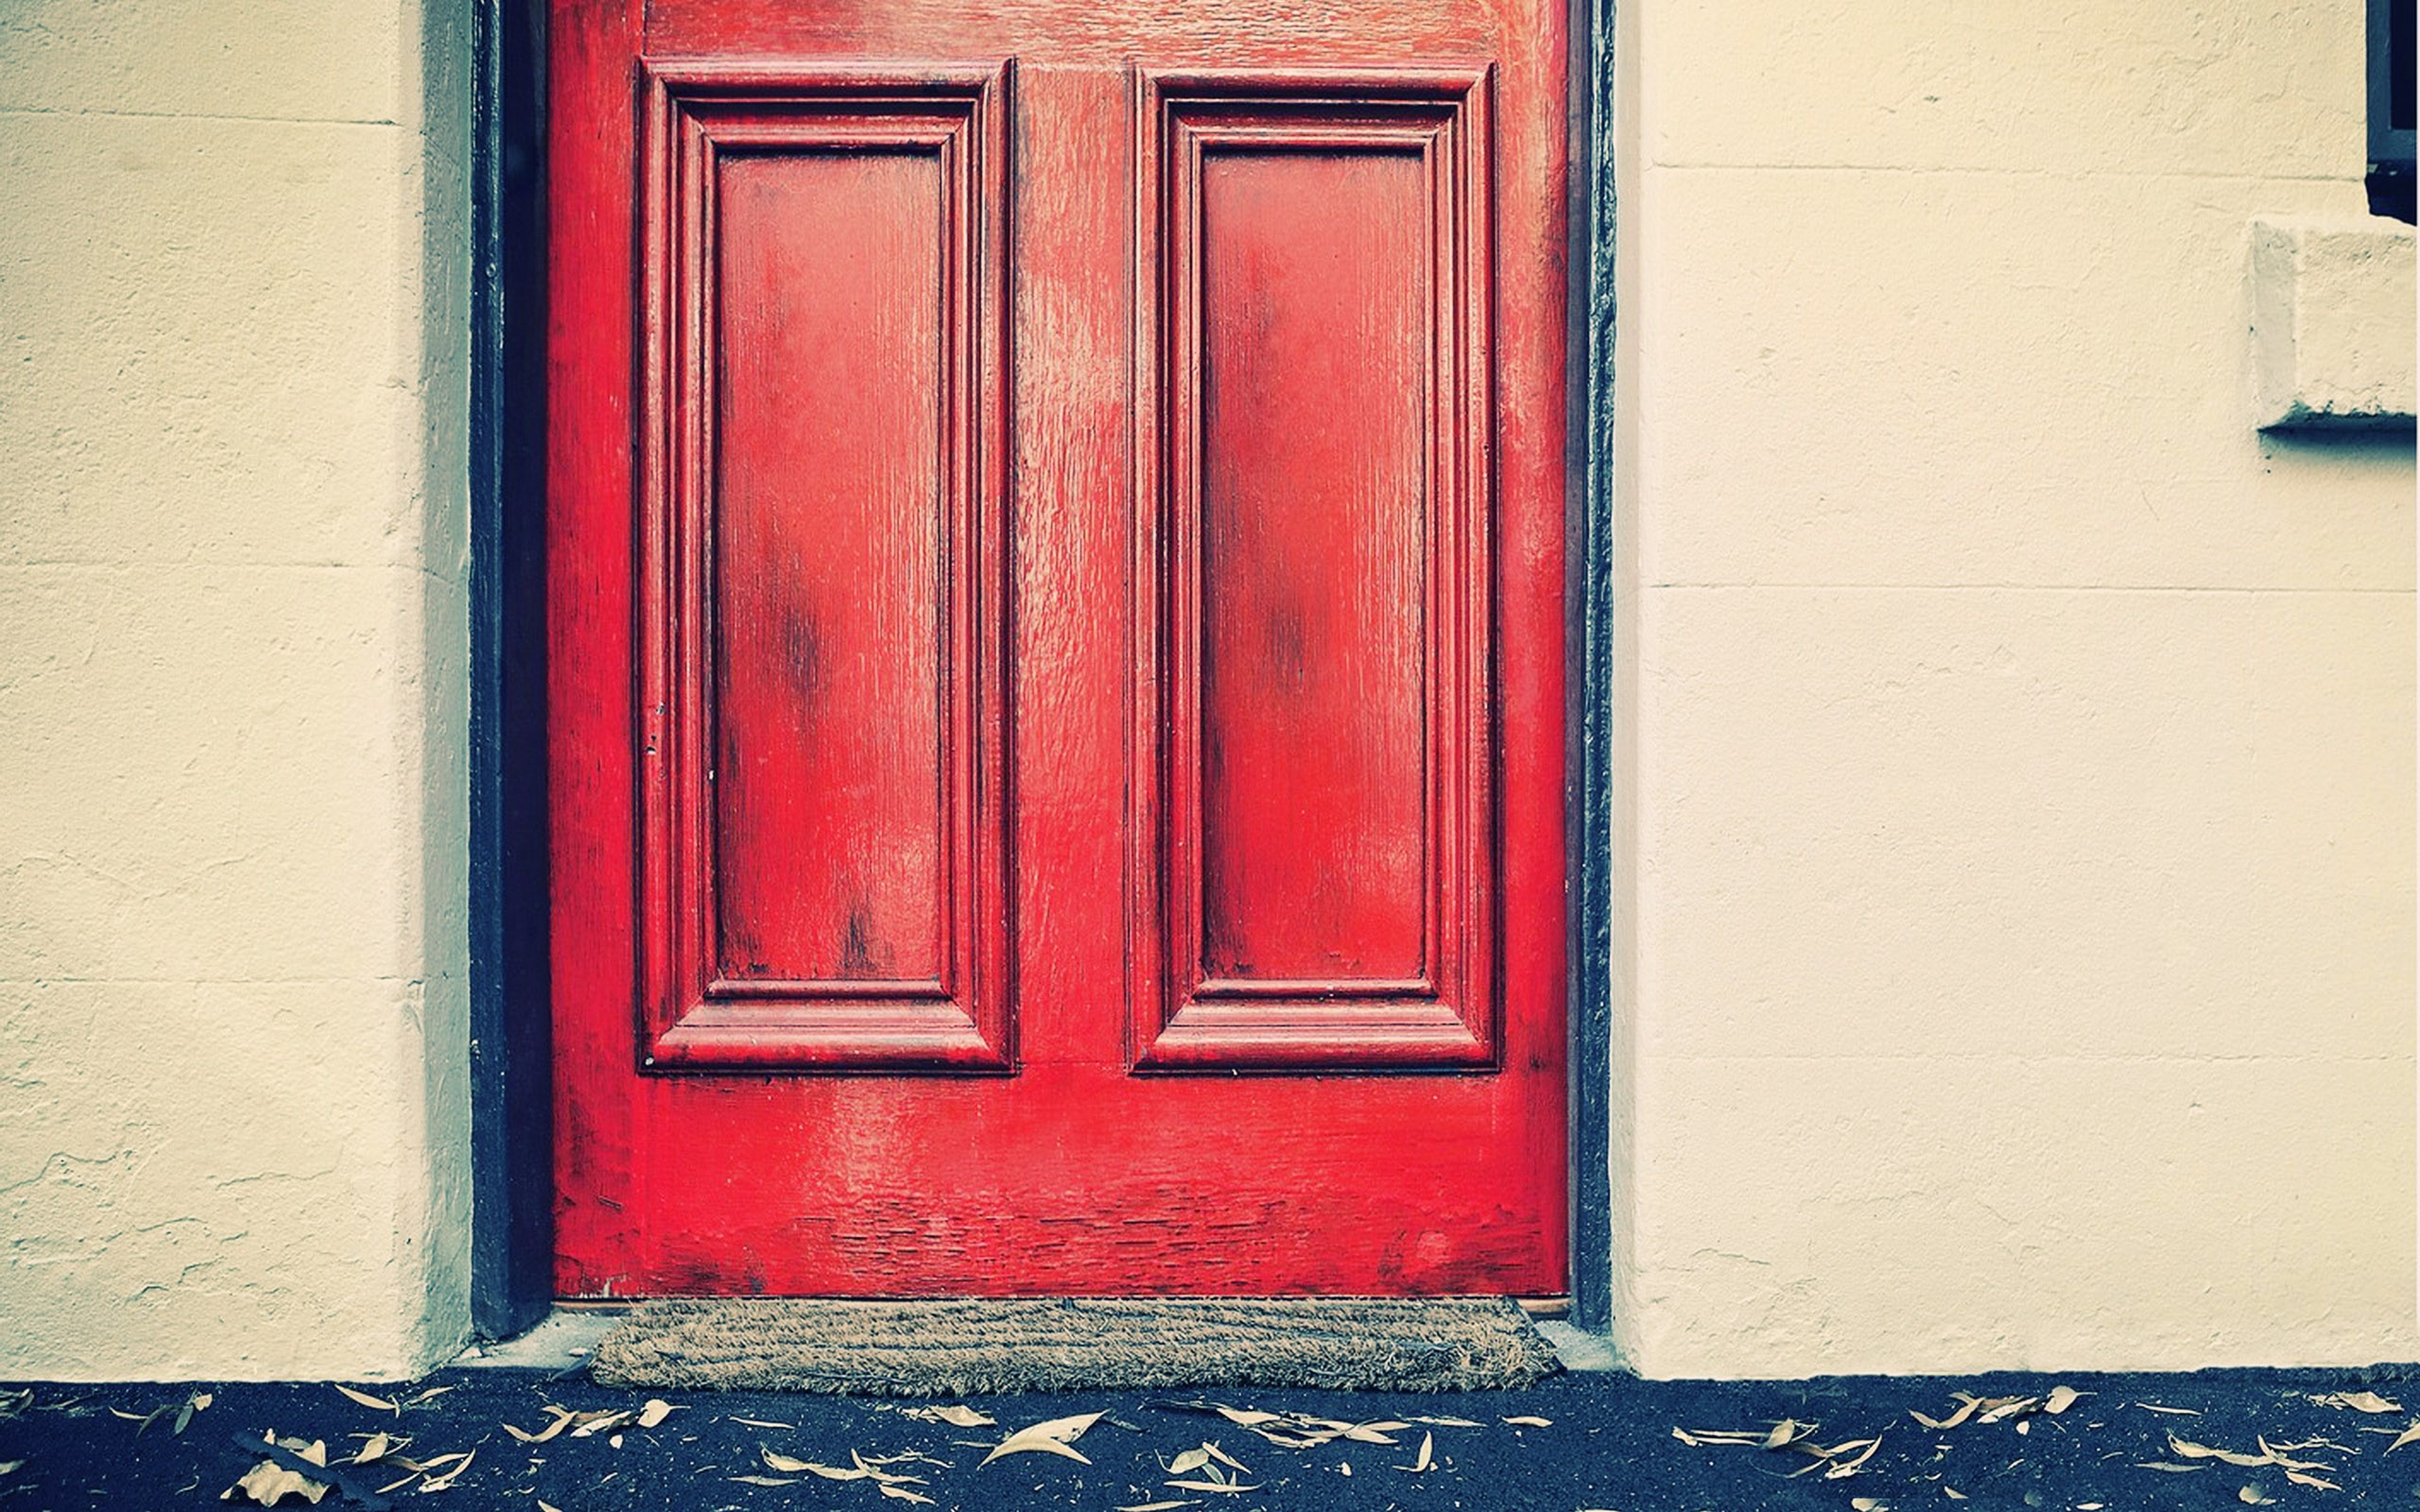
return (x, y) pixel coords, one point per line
(1313, 802)
(822, 569)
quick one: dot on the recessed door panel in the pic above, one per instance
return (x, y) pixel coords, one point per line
(1318, 520)
(820, 601)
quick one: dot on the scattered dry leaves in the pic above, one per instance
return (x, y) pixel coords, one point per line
(2369, 1402)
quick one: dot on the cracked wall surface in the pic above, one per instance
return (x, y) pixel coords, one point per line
(2019, 766)
(233, 1127)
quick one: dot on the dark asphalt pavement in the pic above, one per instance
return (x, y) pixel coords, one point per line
(1607, 1442)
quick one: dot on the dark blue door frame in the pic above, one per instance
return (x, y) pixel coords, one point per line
(512, 1072)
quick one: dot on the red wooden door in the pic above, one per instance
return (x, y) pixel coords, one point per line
(1055, 563)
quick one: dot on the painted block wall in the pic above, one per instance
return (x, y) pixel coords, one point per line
(2017, 795)
(233, 359)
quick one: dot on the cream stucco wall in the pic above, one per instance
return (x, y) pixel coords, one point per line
(2016, 747)
(2018, 781)
(232, 697)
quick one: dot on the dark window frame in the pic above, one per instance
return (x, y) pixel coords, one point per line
(2391, 73)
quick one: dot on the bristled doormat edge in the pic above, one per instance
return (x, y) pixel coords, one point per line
(979, 1347)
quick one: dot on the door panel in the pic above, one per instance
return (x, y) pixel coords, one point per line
(1055, 589)
(822, 548)
(1322, 501)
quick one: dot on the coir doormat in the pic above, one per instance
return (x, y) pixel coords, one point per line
(967, 1346)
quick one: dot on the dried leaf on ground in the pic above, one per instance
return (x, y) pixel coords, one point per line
(1868, 1503)
(2369, 1402)
(2060, 1400)
(1966, 1410)
(790, 1466)
(784, 1462)
(2254, 1496)
(1783, 1431)
(1714, 1437)
(900, 1494)
(1154, 1506)
(957, 1416)
(1530, 1422)
(9, 1467)
(430, 1395)
(439, 1483)
(1448, 1422)
(2187, 1448)
(368, 1400)
(1953, 1493)
(1426, 1457)
(270, 1481)
(883, 1477)
(763, 1480)
(2410, 1436)
(2173, 1412)
(378, 1447)
(589, 1424)
(1055, 1436)
(656, 1410)
(199, 1402)
(2312, 1481)
(759, 1423)
(1849, 1467)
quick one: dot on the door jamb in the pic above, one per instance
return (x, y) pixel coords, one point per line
(512, 1239)
(512, 1072)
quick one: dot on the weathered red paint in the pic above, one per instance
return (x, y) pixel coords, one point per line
(1055, 585)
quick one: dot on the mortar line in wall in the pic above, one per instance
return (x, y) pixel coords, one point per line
(79, 565)
(1987, 169)
(2003, 588)
(194, 115)
(1930, 1057)
(212, 981)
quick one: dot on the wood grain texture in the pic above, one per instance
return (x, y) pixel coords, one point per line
(823, 842)
(1317, 510)
(1066, 1170)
